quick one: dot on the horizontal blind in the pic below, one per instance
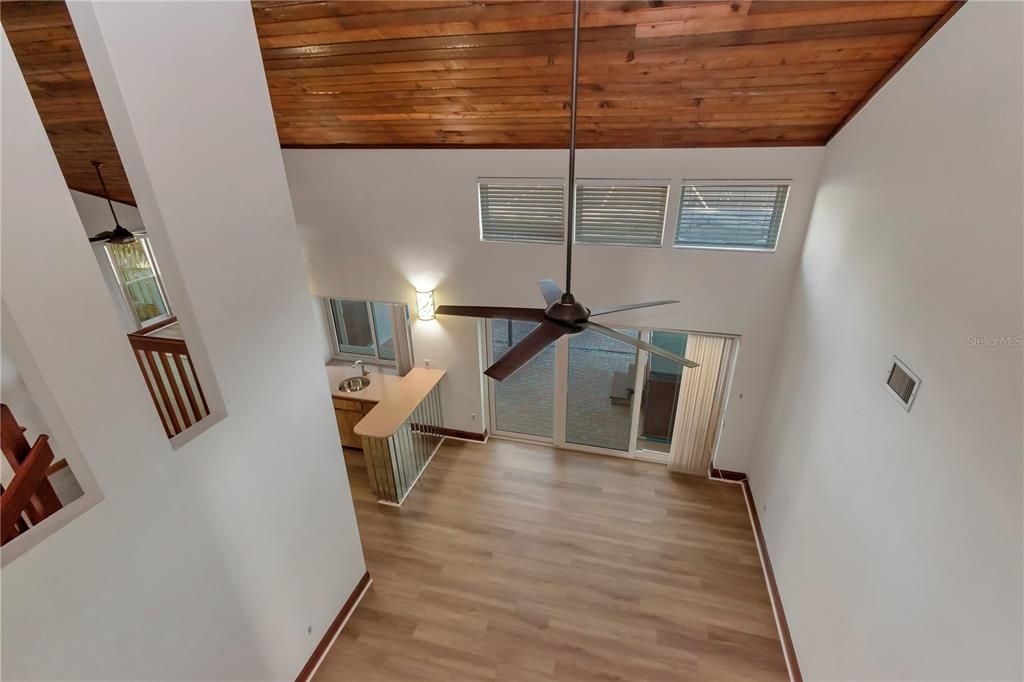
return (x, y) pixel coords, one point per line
(731, 216)
(522, 212)
(622, 215)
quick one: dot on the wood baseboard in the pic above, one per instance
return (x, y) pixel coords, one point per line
(773, 589)
(332, 631)
(464, 435)
(726, 475)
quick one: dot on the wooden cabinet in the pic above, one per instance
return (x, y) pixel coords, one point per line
(348, 413)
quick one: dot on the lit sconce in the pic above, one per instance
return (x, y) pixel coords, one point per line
(425, 304)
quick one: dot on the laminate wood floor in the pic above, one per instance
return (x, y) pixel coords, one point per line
(513, 561)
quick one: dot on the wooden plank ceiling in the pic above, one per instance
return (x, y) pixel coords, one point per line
(46, 46)
(495, 73)
(652, 73)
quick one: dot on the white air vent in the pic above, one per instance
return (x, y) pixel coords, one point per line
(902, 383)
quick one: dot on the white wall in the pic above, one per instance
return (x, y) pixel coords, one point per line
(208, 561)
(377, 223)
(95, 215)
(896, 536)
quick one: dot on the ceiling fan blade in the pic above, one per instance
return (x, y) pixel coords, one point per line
(101, 237)
(524, 351)
(552, 293)
(637, 343)
(493, 312)
(629, 306)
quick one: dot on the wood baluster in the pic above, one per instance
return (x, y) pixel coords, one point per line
(152, 393)
(28, 479)
(162, 390)
(187, 383)
(179, 401)
(199, 386)
(16, 450)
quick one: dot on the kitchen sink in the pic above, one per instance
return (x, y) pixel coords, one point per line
(353, 384)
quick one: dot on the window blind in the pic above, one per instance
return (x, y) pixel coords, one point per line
(622, 215)
(731, 215)
(522, 212)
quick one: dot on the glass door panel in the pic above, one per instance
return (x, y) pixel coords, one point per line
(599, 390)
(523, 403)
(660, 393)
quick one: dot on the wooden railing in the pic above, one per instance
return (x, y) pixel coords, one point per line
(29, 498)
(170, 376)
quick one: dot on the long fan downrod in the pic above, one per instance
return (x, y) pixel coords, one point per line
(97, 165)
(570, 218)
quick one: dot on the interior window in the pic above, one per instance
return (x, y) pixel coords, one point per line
(621, 212)
(384, 330)
(743, 215)
(352, 326)
(139, 279)
(368, 329)
(522, 210)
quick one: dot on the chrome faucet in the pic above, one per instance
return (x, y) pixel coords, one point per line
(361, 366)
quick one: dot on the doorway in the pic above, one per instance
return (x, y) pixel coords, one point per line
(591, 393)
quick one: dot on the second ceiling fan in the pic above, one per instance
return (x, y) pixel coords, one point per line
(563, 314)
(119, 235)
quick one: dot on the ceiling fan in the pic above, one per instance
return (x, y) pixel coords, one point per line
(563, 314)
(119, 235)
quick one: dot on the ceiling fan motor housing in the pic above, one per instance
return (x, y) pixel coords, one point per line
(568, 312)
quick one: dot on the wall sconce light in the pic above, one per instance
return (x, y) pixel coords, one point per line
(425, 304)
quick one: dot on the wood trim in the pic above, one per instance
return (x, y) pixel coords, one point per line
(56, 466)
(726, 475)
(158, 344)
(773, 588)
(332, 630)
(462, 435)
(159, 324)
(939, 23)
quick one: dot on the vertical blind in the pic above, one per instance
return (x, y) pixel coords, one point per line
(731, 215)
(527, 211)
(622, 215)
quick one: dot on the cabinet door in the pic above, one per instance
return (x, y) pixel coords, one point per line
(346, 428)
(350, 405)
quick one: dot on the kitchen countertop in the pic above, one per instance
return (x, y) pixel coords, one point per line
(382, 386)
(396, 397)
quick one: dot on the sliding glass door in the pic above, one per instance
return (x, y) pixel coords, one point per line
(589, 392)
(599, 391)
(523, 404)
(659, 392)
